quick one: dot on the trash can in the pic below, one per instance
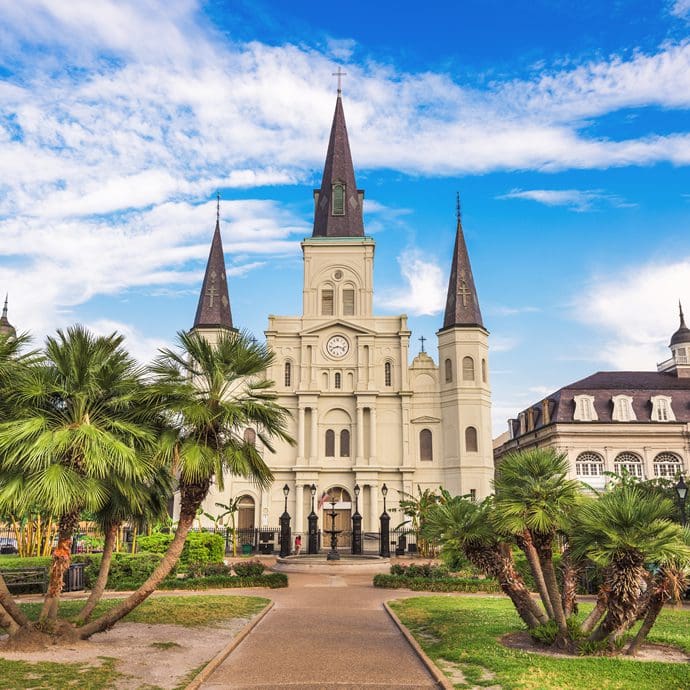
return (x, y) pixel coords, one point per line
(73, 580)
(246, 549)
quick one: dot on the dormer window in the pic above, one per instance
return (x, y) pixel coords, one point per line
(584, 409)
(661, 409)
(623, 409)
(338, 208)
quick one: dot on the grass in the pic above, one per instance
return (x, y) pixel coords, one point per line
(19, 675)
(465, 631)
(192, 611)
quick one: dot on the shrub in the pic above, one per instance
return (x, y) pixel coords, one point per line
(200, 547)
(211, 569)
(271, 580)
(127, 571)
(248, 568)
(19, 562)
(420, 570)
(428, 584)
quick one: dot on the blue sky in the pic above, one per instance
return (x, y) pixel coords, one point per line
(564, 126)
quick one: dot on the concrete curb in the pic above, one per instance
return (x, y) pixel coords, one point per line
(224, 653)
(439, 677)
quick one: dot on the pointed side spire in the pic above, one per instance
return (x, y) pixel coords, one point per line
(214, 310)
(6, 328)
(682, 335)
(680, 309)
(338, 210)
(462, 305)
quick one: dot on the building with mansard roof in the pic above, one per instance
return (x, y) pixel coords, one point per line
(638, 421)
(362, 415)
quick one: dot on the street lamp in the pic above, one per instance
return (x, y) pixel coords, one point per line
(385, 519)
(285, 537)
(356, 526)
(682, 493)
(313, 521)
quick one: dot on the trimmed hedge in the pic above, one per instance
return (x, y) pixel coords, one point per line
(271, 580)
(199, 547)
(127, 571)
(17, 562)
(440, 584)
(427, 570)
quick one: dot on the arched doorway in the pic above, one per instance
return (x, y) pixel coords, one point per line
(343, 517)
(245, 520)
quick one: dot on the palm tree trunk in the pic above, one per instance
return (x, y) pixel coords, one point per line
(598, 611)
(569, 573)
(61, 560)
(102, 580)
(10, 606)
(7, 622)
(525, 543)
(545, 551)
(192, 496)
(656, 603)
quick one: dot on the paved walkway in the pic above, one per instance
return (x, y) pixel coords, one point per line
(325, 631)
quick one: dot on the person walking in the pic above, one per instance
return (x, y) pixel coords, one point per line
(298, 544)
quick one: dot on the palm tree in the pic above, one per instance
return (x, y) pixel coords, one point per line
(81, 418)
(623, 530)
(215, 391)
(533, 501)
(416, 508)
(458, 523)
(229, 510)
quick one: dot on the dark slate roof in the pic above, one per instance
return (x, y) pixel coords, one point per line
(462, 304)
(6, 328)
(338, 168)
(639, 385)
(214, 310)
(682, 335)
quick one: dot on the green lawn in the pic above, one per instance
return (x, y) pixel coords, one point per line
(465, 632)
(189, 611)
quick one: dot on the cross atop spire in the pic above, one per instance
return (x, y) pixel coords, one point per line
(4, 309)
(340, 74)
(213, 310)
(462, 304)
(338, 203)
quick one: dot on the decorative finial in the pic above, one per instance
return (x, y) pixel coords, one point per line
(4, 309)
(217, 207)
(682, 318)
(458, 215)
(422, 339)
(340, 74)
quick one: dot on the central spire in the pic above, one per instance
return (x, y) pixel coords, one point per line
(338, 203)
(213, 310)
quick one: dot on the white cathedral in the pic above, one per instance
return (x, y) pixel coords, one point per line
(361, 414)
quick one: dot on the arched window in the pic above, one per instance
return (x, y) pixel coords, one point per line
(449, 371)
(327, 302)
(467, 369)
(288, 374)
(338, 199)
(630, 463)
(250, 436)
(245, 513)
(344, 443)
(348, 302)
(387, 374)
(589, 464)
(484, 372)
(667, 465)
(338, 379)
(330, 443)
(426, 451)
(471, 440)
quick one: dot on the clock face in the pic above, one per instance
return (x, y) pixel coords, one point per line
(337, 346)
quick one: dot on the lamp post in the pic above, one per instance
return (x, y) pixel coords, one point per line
(285, 537)
(333, 554)
(356, 526)
(682, 493)
(385, 519)
(313, 520)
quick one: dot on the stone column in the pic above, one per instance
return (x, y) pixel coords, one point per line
(360, 434)
(372, 435)
(314, 435)
(299, 508)
(300, 434)
(373, 508)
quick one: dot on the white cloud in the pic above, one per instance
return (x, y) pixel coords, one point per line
(575, 199)
(502, 310)
(143, 349)
(635, 310)
(503, 343)
(425, 289)
(681, 8)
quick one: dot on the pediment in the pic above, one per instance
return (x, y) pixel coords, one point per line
(425, 420)
(340, 323)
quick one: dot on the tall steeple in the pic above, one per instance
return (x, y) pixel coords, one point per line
(214, 301)
(338, 203)
(6, 328)
(462, 305)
